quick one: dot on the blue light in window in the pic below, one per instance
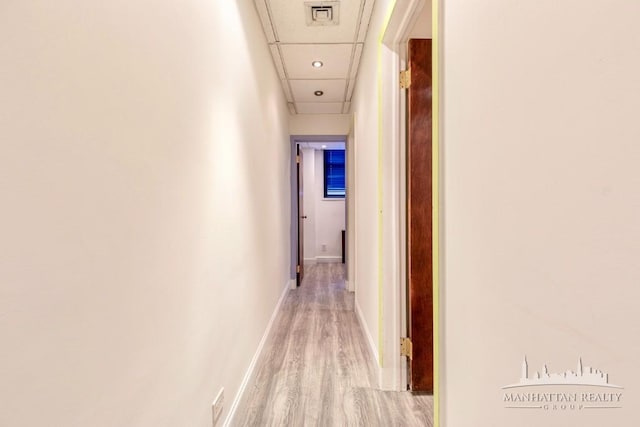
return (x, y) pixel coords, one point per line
(334, 173)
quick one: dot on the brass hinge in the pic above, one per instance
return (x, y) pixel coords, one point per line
(297, 269)
(297, 159)
(405, 79)
(406, 347)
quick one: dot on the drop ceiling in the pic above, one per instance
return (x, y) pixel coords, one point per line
(300, 32)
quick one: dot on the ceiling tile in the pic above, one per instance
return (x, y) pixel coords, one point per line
(298, 58)
(319, 107)
(289, 20)
(303, 90)
(294, 45)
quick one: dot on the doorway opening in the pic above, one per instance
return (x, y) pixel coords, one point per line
(319, 199)
(412, 252)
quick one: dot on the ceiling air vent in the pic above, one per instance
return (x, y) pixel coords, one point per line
(320, 13)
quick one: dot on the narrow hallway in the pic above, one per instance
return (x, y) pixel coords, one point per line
(316, 368)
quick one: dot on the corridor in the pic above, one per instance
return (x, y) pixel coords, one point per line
(317, 370)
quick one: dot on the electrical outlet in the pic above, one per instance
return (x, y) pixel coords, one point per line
(217, 406)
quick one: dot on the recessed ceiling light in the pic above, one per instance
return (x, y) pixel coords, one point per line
(318, 93)
(324, 146)
(317, 64)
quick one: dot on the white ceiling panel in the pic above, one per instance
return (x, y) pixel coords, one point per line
(334, 35)
(303, 90)
(319, 107)
(289, 20)
(298, 58)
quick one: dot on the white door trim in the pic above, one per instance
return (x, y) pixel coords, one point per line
(393, 375)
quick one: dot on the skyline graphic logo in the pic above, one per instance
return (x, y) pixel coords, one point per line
(585, 388)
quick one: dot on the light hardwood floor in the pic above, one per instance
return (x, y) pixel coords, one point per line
(317, 370)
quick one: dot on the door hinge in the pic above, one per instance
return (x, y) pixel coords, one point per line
(405, 79)
(406, 347)
(297, 159)
(297, 269)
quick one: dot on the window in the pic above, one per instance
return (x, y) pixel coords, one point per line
(334, 183)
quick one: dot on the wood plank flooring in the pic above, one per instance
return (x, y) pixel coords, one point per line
(316, 368)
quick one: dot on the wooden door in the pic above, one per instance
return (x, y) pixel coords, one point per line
(419, 215)
(301, 218)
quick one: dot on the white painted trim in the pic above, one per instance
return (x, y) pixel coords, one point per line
(367, 335)
(350, 208)
(292, 284)
(294, 141)
(328, 258)
(405, 13)
(391, 229)
(350, 285)
(393, 376)
(323, 259)
(248, 376)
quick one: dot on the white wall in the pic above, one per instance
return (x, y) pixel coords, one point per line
(330, 215)
(325, 217)
(541, 202)
(319, 124)
(309, 200)
(144, 181)
(366, 198)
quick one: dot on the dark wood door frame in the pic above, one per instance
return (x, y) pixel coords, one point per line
(419, 215)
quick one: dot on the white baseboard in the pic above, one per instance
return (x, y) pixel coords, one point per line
(248, 376)
(348, 286)
(328, 258)
(323, 258)
(367, 334)
(293, 284)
